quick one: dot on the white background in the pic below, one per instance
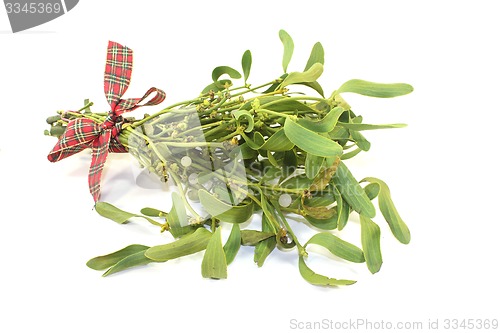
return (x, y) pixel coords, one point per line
(440, 169)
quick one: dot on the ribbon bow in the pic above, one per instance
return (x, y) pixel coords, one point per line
(84, 133)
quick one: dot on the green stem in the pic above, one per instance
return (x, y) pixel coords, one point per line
(300, 248)
(183, 196)
(296, 98)
(274, 113)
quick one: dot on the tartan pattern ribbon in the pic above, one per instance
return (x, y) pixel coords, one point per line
(83, 133)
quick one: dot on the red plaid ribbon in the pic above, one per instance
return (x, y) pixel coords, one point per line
(84, 133)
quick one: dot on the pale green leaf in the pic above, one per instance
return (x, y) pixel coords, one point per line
(351, 154)
(360, 140)
(221, 70)
(214, 261)
(326, 124)
(177, 218)
(246, 64)
(265, 247)
(288, 48)
(315, 86)
(153, 212)
(278, 142)
(367, 127)
(324, 224)
(310, 276)
(233, 243)
(186, 245)
(398, 226)
(352, 192)
(338, 247)
(253, 237)
(311, 75)
(343, 208)
(116, 214)
(370, 241)
(223, 211)
(313, 165)
(108, 260)
(309, 141)
(375, 89)
(133, 260)
(317, 55)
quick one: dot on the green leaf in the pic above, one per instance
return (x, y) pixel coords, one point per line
(323, 178)
(320, 212)
(375, 89)
(324, 224)
(278, 142)
(265, 247)
(246, 152)
(283, 103)
(177, 218)
(268, 211)
(325, 125)
(372, 190)
(214, 261)
(343, 216)
(298, 182)
(108, 260)
(247, 115)
(351, 154)
(233, 243)
(217, 86)
(310, 276)
(343, 208)
(315, 86)
(313, 165)
(223, 211)
(370, 241)
(360, 140)
(246, 64)
(339, 134)
(221, 70)
(338, 247)
(253, 237)
(367, 127)
(184, 246)
(309, 141)
(398, 226)
(148, 211)
(116, 214)
(133, 260)
(317, 55)
(288, 48)
(352, 192)
(289, 163)
(270, 174)
(311, 75)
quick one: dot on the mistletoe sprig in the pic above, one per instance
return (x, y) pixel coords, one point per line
(242, 150)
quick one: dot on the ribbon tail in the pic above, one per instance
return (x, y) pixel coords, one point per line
(78, 136)
(117, 73)
(130, 104)
(100, 151)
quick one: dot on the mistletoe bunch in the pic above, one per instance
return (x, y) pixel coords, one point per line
(241, 150)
